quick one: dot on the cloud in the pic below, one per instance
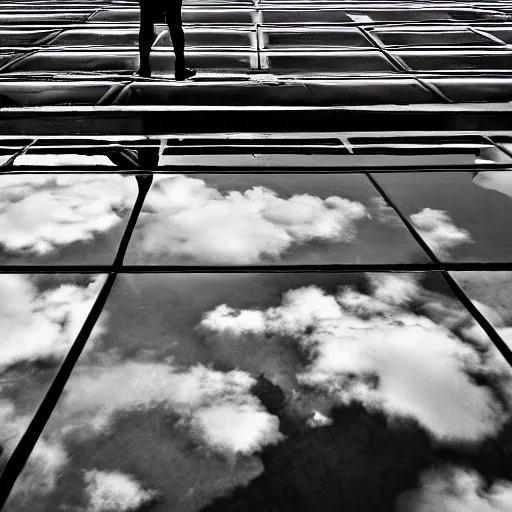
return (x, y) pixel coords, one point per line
(42, 325)
(370, 348)
(47, 459)
(41, 473)
(492, 288)
(113, 491)
(384, 213)
(490, 292)
(396, 289)
(39, 326)
(186, 218)
(453, 489)
(319, 420)
(41, 213)
(500, 181)
(216, 408)
(436, 227)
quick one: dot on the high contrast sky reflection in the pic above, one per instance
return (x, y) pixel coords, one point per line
(280, 286)
(216, 391)
(264, 219)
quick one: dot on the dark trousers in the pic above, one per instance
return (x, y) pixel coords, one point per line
(152, 11)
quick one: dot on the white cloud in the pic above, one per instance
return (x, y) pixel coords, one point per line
(319, 420)
(113, 491)
(500, 181)
(41, 213)
(436, 227)
(42, 325)
(491, 288)
(370, 348)
(394, 289)
(453, 489)
(384, 213)
(490, 292)
(217, 408)
(186, 218)
(41, 472)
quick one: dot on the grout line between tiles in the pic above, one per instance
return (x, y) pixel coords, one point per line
(24, 448)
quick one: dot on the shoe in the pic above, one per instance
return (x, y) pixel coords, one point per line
(144, 71)
(183, 74)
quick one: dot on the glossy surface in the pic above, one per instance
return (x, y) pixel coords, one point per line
(490, 293)
(78, 44)
(261, 219)
(41, 315)
(63, 218)
(224, 390)
(203, 384)
(462, 216)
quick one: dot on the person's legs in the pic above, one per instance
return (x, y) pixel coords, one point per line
(146, 37)
(175, 24)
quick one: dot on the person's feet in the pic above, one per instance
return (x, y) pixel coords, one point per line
(144, 70)
(184, 73)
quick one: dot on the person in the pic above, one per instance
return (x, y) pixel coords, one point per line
(152, 11)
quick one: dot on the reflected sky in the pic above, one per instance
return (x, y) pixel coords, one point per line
(216, 391)
(265, 219)
(463, 217)
(490, 292)
(40, 317)
(63, 218)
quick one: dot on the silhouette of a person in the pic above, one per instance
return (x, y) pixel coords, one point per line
(152, 11)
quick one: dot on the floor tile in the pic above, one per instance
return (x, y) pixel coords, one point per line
(482, 61)
(335, 63)
(303, 16)
(312, 38)
(216, 382)
(260, 219)
(474, 89)
(490, 293)
(33, 93)
(41, 317)
(369, 92)
(63, 219)
(462, 216)
(407, 36)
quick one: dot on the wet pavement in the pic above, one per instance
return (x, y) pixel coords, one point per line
(283, 285)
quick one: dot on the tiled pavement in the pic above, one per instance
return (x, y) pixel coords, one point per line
(359, 147)
(318, 53)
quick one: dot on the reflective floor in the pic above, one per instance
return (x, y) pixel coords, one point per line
(406, 52)
(294, 318)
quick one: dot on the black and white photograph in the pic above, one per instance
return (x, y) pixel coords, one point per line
(255, 256)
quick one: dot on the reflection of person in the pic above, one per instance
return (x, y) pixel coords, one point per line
(152, 11)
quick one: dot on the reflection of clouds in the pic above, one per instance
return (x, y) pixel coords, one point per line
(500, 181)
(41, 326)
(384, 213)
(492, 288)
(453, 489)
(185, 217)
(372, 349)
(38, 326)
(40, 474)
(394, 288)
(436, 227)
(217, 408)
(490, 292)
(110, 491)
(40, 213)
